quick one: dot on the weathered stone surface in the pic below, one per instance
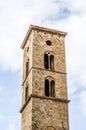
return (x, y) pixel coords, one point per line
(41, 113)
(49, 113)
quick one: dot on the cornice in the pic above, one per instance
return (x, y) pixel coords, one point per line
(43, 69)
(43, 97)
(43, 29)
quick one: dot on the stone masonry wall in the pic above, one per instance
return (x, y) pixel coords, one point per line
(27, 55)
(27, 117)
(49, 115)
(39, 72)
(38, 83)
(57, 49)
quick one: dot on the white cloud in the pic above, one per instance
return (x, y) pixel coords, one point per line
(71, 87)
(82, 104)
(12, 122)
(11, 127)
(15, 18)
(18, 15)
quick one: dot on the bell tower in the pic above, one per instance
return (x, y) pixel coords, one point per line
(44, 86)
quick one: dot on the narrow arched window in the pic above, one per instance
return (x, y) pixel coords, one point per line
(46, 64)
(52, 88)
(27, 68)
(51, 62)
(46, 87)
(26, 93)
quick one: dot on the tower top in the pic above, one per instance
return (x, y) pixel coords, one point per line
(43, 29)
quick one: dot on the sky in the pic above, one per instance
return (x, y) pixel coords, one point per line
(15, 18)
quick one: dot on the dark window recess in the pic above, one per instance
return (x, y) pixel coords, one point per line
(48, 42)
(26, 93)
(49, 88)
(48, 61)
(46, 87)
(51, 62)
(52, 88)
(46, 64)
(27, 68)
(27, 49)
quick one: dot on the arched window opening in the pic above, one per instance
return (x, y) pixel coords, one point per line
(46, 64)
(46, 87)
(27, 68)
(26, 93)
(27, 49)
(51, 62)
(52, 88)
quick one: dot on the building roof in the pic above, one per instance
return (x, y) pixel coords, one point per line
(34, 27)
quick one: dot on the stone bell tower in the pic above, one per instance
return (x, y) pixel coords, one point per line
(44, 86)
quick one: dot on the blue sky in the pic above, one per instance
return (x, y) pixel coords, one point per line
(15, 19)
